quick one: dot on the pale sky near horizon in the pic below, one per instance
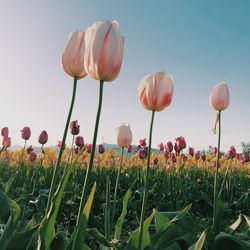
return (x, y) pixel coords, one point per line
(199, 43)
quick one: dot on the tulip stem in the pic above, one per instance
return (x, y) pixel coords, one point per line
(216, 178)
(89, 168)
(116, 188)
(56, 169)
(145, 194)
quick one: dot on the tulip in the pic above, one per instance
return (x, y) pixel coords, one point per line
(43, 137)
(59, 145)
(169, 147)
(203, 157)
(197, 155)
(168, 169)
(141, 153)
(89, 148)
(101, 149)
(215, 151)
(73, 55)
(156, 91)
(79, 141)
(129, 148)
(173, 157)
(219, 97)
(166, 154)
(180, 142)
(155, 160)
(124, 136)
(32, 156)
(29, 149)
(6, 141)
(184, 157)
(74, 128)
(233, 150)
(191, 151)
(5, 131)
(26, 133)
(176, 148)
(142, 142)
(104, 50)
(161, 146)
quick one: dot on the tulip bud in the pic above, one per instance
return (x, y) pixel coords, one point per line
(180, 142)
(6, 141)
(79, 141)
(43, 137)
(101, 149)
(219, 97)
(203, 157)
(191, 151)
(176, 148)
(169, 147)
(74, 128)
(215, 151)
(25, 132)
(141, 153)
(142, 142)
(104, 51)
(32, 156)
(124, 136)
(89, 148)
(166, 154)
(156, 91)
(5, 131)
(197, 155)
(155, 160)
(184, 157)
(76, 150)
(73, 55)
(173, 157)
(168, 169)
(129, 149)
(29, 149)
(161, 146)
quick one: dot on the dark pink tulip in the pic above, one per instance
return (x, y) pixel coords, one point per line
(155, 160)
(161, 146)
(74, 128)
(166, 154)
(5, 131)
(176, 148)
(32, 156)
(215, 151)
(101, 149)
(203, 157)
(168, 169)
(142, 142)
(43, 137)
(76, 150)
(6, 141)
(79, 141)
(237, 156)
(141, 153)
(89, 148)
(191, 151)
(180, 142)
(242, 160)
(173, 157)
(184, 158)
(29, 149)
(233, 150)
(59, 144)
(129, 148)
(197, 155)
(169, 147)
(26, 133)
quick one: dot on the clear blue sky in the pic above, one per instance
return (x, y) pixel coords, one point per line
(199, 43)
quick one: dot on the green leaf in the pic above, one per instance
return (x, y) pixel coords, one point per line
(199, 244)
(98, 236)
(47, 227)
(133, 242)
(12, 222)
(81, 229)
(118, 227)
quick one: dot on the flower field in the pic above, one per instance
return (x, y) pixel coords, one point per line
(87, 196)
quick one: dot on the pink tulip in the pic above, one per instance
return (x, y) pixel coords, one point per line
(5, 131)
(73, 55)
(155, 160)
(169, 147)
(124, 135)
(161, 146)
(6, 141)
(173, 157)
(79, 141)
(43, 137)
(74, 128)
(129, 149)
(166, 154)
(191, 151)
(219, 97)
(142, 142)
(197, 155)
(29, 149)
(156, 91)
(168, 169)
(176, 148)
(32, 156)
(104, 50)
(180, 142)
(26, 132)
(89, 148)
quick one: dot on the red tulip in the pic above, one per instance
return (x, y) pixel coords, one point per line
(89, 148)
(161, 146)
(181, 143)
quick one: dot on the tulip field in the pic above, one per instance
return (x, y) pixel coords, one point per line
(131, 196)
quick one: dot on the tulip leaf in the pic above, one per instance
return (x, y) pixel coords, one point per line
(10, 228)
(98, 236)
(199, 244)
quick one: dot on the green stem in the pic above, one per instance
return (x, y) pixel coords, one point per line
(56, 169)
(116, 188)
(145, 195)
(216, 177)
(89, 168)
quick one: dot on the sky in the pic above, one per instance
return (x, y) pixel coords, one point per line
(199, 43)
